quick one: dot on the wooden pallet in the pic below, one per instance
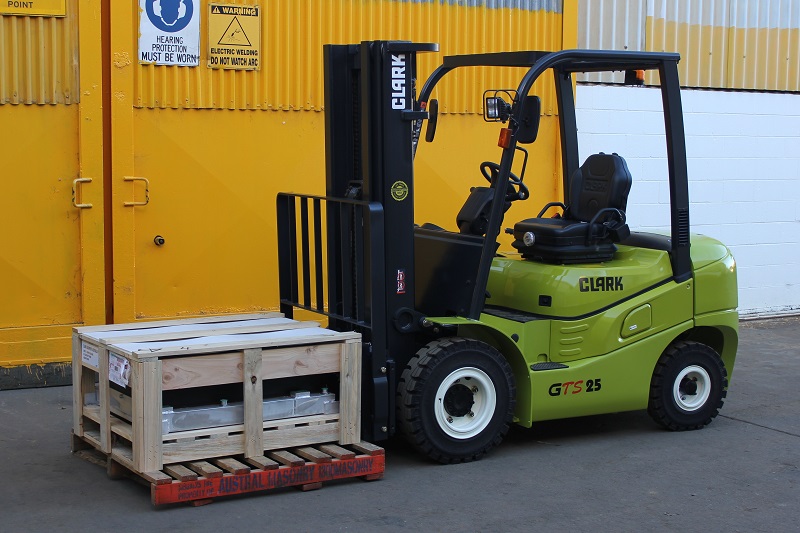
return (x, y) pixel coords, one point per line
(195, 353)
(201, 482)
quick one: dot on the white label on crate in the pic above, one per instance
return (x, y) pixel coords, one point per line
(90, 355)
(119, 369)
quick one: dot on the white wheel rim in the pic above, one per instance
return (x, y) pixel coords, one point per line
(687, 399)
(484, 398)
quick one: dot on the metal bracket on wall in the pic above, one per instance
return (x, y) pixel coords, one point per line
(146, 191)
(75, 183)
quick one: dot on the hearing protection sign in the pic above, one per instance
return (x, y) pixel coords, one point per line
(234, 37)
(169, 32)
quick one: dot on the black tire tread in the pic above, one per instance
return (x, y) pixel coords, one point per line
(656, 407)
(410, 388)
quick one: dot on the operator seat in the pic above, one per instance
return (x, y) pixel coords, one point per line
(592, 222)
(473, 218)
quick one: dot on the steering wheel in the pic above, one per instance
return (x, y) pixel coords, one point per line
(516, 189)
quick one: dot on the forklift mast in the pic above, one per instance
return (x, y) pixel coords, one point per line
(369, 119)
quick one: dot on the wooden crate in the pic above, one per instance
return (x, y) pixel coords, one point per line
(181, 354)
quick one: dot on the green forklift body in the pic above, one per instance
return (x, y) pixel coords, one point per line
(585, 339)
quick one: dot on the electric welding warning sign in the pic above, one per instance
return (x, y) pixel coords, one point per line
(234, 37)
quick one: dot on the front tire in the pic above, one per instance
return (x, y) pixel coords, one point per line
(688, 386)
(456, 399)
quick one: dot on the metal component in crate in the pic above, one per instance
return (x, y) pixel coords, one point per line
(232, 413)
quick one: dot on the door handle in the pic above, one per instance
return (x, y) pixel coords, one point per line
(146, 191)
(75, 187)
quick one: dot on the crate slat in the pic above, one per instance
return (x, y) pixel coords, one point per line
(313, 455)
(157, 477)
(367, 448)
(286, 458)
(350, 421)
(122, 428)
(124, 456)
(222, 368)
(337, 451)
(231, 465)
(262, 463)
(253, 396)
(193, 450)
(205, 469)
(180, 472)
(207, 330)
(89, 330)
(92, 437)
(205, 345)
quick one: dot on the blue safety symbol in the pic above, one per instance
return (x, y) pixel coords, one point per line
(170, 15)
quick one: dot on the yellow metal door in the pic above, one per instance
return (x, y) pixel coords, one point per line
(51, 260)
(193, 204)
(194, 183)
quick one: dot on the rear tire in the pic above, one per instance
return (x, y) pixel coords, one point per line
(456, 400)
(688, 386)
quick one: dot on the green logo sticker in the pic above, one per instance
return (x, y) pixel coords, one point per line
(399, 190)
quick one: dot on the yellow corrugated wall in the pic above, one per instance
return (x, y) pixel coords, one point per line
(241, 137)
(39, 59)
(293, 32)
(216, 146)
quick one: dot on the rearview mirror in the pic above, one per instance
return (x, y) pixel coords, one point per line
(433, 118)
(529, 122)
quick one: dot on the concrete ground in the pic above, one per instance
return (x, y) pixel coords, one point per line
(603, 473)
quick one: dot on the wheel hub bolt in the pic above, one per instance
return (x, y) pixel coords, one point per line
(474, 390)
(450, 419)
(471, 414)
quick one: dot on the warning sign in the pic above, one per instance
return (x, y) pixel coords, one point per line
(169, 32)
(35, 8)
(234, 37)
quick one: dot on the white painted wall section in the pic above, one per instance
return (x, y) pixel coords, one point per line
(743, 152)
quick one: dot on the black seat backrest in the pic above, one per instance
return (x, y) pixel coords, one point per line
(473, 218)
(602, 181)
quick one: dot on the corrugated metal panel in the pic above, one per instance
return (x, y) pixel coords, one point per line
(698, 31)
(764, 45)
(293, 33)
(610, 25)
(39, 59)
(733, 44)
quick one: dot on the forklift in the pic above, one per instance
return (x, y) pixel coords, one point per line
(585, 317)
